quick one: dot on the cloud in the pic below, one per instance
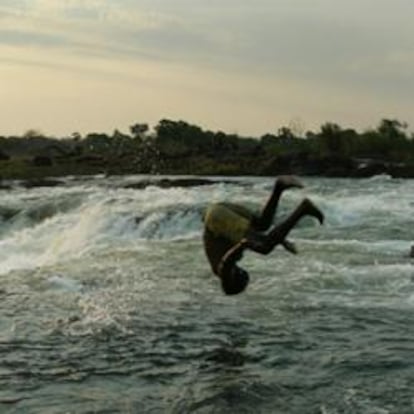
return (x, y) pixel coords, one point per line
(319, 39)
(341, 60)
(75, 19)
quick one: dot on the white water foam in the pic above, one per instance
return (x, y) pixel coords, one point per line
(87, 218)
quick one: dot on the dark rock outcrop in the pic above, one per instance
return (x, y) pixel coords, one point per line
(170, 183)
(41, 182)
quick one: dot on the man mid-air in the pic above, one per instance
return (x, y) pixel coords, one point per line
(229, 229)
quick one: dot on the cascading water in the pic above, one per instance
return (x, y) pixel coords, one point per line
(107, 302)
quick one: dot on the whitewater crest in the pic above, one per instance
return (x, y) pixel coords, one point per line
(43, 227)
(46, 226)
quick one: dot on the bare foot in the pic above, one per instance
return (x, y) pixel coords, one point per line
(288, 181)
(289, 246)
(312, 210)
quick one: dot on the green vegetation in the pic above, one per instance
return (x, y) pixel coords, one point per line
(177, 147)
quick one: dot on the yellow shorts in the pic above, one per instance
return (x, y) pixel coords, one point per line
(224, 221)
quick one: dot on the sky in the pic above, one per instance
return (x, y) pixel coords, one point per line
(240, 66)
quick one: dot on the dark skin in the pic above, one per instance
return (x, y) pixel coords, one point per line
(223, 254)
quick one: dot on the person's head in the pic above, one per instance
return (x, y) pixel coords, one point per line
(236, 282)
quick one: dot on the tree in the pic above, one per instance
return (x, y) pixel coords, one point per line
(97, 142)
(139, 131)
(76, 136)
(285, 133)
(33, 133)
(392, 129)
(178, 138)
(331, 139)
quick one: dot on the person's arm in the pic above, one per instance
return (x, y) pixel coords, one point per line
(231, 257)
(234, 254)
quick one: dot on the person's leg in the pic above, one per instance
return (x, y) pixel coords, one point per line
(265, 243)
(283, 183)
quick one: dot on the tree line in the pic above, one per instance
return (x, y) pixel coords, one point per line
(178, 147)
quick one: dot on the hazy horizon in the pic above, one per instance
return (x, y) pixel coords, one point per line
(67, 66)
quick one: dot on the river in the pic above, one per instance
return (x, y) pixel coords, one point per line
(108, 305)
